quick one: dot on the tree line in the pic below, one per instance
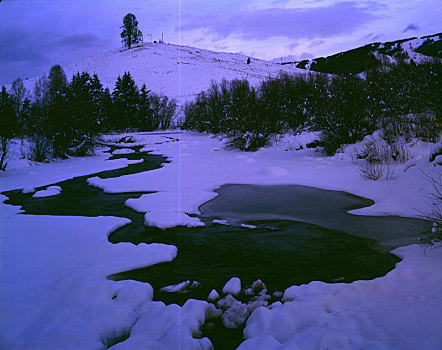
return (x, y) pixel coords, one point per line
(63, 118)
(344, 108)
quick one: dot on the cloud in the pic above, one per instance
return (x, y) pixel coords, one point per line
(79, 40)
(292, 46)
(411, 27)
(308, 23)
(15, 47)
(27, 54)
(316, 43)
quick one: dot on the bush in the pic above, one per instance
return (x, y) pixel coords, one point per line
(40, 149)
(371, 171)
(434, 213)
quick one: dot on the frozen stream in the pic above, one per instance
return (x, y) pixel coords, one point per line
(302, 234)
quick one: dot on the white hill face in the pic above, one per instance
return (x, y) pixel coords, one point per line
(176, 71)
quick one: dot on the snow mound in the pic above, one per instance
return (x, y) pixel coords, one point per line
(233, 286)
(349, 316)
(169, 218)
(213, 295)
(123, 151)
(48, 192)
(291, 142)
(28, 190)
(168, 327)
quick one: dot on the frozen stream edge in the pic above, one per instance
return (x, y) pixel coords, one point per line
(73, 306)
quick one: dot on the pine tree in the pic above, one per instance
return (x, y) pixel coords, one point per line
(57, 111)
(83, 114)
(18, 94)
(105, 111)
(56, 82)
(130, 34)
(8, 123)
(125, 99)
(145, 115)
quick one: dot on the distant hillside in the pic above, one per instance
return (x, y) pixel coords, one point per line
(176, 71)
(375, 55)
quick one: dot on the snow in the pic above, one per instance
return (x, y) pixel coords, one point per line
(123, 151)
(54, 272)
(55, 268)
(170, 218)
(399, 311)
(248, 226)
(233, 286)
(179, 72)
(28, 190)
(293, 142)
(202, 170)
(220, 222)
(168, 327)
(213, 295)
(48, 192)
(22, 175)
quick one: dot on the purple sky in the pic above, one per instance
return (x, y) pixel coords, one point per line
(36, 34)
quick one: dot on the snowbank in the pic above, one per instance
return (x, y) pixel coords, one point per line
(402, 310)
(55, 268)
(55, 294)
(200, 164)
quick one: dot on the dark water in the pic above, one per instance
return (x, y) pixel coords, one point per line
(303, 234)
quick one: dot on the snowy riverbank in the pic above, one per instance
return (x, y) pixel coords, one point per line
(55, 295)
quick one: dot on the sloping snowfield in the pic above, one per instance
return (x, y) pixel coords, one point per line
(55, 295)
(179, 72)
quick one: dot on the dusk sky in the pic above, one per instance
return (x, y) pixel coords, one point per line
(35, 34)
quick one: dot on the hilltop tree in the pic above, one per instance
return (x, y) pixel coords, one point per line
(130, 34)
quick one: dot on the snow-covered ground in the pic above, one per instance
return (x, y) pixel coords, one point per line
(179, 72)
(54, 292)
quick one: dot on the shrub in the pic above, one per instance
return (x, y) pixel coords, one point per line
(40, 149)
(371, 171)
(434, 213)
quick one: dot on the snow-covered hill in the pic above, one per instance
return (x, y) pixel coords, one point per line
(374, 55)
(176, 71)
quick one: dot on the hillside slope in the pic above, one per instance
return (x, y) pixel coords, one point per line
(375, 55)
(176, 71)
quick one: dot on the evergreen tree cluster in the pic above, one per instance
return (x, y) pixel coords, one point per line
(64, 118)
(345, 108)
